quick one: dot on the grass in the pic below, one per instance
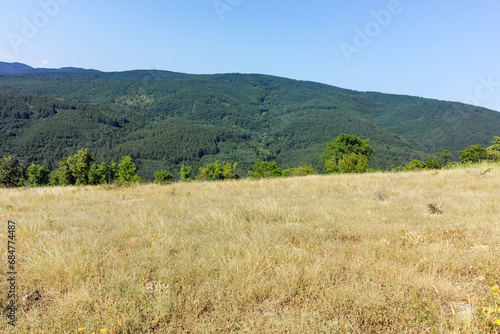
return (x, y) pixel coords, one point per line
(317, 254)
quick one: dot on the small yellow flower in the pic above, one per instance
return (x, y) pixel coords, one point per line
(104, 330)
(497, 322)
(495, 288)
(81, 329)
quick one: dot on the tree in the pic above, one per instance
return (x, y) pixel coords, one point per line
(12, 172)
(79, 166)
(217, 171)
(127, 169)
(439, 159)
(163, 176)
(299, 171)
(353, 163)
(229, 171)
(185, 173)
(102, 174)
(262, 169)
(346, 154)
(414, 165)
(38, 175)
(494, 150)
(62, 176)
(473, 153)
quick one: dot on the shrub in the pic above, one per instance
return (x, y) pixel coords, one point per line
(473, 153)
(414, 165)
(12, 172)
(346, 154)
(185, 173)
(102, 174)
(79, 166)
(299, 171)
(163, 176)
(127, 170)
(38, 175)
(494, 150)
(263, 169)
(439, 159)
(216, 171)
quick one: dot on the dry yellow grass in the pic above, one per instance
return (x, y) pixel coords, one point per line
(320, 254)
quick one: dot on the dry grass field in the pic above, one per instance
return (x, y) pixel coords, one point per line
(373, 253)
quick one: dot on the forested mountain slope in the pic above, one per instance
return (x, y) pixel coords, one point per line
(163, 119)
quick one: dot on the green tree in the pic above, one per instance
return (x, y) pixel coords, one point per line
(185, 173)
(439, 159)
(346, 154)
(299, 171)
(38, 175)
(229, 171)
(102, 174)
(79, 166)
(263, 169)
(163, 176)
(127, 170)
(62, 176)
(494, 150)
(473, 153)
(414, 165)
(217, 171)
(12, 172)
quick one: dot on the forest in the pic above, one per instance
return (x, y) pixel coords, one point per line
(164, 120)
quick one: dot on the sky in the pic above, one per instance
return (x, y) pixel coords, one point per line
(447, 50)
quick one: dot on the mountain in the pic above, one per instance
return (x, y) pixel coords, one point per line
(18, 68)
(163, 119)
(14, 68)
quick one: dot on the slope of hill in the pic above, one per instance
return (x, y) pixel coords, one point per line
(45, 115)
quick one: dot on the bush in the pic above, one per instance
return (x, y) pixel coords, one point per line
(38, 175)
(185, 173)
(216, 171)
(12, 172)
(102, 174)
(127, 170)
(346, 154)
(263, 169)
(163, 177)
(473, 153)
(79, 166)
(299, 171)
(414, 165)
(439, 159)
(494, 150)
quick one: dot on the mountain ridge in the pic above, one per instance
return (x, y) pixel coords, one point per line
(241, 116)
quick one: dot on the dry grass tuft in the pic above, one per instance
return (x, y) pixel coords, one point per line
(315, 254)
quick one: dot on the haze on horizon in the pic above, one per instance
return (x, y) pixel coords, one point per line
(444, 50)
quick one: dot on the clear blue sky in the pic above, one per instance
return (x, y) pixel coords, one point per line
(443, 49)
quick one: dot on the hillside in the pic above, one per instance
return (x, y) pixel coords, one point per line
(163, 119)
(316, 254)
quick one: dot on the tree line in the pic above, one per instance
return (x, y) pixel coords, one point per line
(343, 154)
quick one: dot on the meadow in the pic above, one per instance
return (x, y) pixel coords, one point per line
(414, 252)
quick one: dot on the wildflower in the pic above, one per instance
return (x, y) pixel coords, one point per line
(104, 330)
(497, 322)
(495, 288)
(81, 329)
